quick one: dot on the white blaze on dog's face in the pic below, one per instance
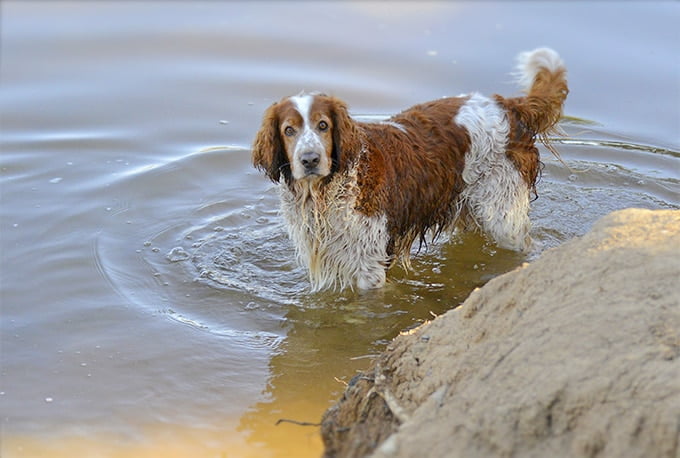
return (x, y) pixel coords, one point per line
(306, 132)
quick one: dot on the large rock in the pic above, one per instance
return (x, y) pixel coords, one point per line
(575, 354)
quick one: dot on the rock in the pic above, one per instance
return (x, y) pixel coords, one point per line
(575, 354)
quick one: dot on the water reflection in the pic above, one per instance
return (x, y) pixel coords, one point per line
(331, 336)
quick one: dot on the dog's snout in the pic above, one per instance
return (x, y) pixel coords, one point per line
(310, 159)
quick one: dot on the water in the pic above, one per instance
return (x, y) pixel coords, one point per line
(150, 302)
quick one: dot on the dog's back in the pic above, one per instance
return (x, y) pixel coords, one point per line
(478, 170)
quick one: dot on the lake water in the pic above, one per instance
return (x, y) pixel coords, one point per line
(150, 304)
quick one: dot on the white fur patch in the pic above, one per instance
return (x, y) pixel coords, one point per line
(396, 125)
(339, 246)
(303, 103)
(380, 119)
(529, 63)
(496, 195)
(308, 140)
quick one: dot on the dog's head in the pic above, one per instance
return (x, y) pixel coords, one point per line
(305, 137)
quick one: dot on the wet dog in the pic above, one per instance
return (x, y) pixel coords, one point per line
(355, 196)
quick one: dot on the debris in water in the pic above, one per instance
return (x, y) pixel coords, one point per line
(177, 254)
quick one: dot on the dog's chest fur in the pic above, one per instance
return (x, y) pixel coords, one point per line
(338, 244)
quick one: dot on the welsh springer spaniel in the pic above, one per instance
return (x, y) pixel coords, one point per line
(356, 195)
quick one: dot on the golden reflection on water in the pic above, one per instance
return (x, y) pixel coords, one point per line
(172, 441)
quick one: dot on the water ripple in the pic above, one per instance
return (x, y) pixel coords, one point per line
(599, 143)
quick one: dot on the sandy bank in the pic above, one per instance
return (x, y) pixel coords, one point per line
(575, 354)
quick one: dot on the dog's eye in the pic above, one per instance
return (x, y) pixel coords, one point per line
(323, 126)
(289, 131)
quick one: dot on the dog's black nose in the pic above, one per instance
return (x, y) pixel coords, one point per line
(310, 159)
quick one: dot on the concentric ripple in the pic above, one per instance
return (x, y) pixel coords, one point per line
(248, 251)
(225, 263)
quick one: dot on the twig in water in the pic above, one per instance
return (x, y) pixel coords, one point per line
(355, 358)
(295, 422)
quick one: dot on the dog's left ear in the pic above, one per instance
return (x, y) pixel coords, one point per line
(268, 152)
(346, 140)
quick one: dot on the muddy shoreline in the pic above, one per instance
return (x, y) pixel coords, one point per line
(575, 354)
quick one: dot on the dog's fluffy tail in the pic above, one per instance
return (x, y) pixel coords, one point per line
(542, 75)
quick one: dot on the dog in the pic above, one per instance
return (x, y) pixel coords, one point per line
(356, 195)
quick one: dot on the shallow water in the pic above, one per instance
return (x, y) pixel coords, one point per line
(150, 303)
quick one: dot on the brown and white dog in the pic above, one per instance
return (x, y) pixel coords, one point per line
(355, 196)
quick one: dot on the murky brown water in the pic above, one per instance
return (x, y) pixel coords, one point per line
(150, 302)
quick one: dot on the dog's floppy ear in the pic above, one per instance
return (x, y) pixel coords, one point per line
(346, 139)
(268, 152)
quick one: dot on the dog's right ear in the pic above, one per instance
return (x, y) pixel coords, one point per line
(268, 152)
